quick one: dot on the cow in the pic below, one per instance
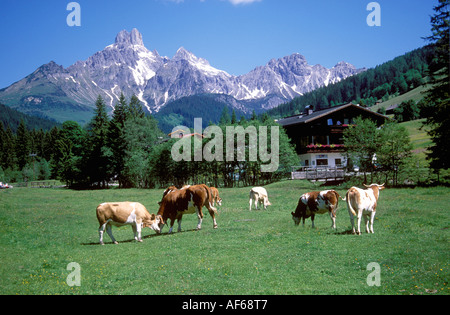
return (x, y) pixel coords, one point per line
(363, 202)
(188, 200)
(171, 189)
(215, 196)
(316, 202)
(125, 213)
(259, 195)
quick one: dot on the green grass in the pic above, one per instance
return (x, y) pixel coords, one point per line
(419, 137)
(415, 94)
(258, 252)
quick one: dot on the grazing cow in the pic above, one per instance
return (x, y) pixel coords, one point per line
(259, 195)
(172, 189)
(316, 202)
(188, 200)
(363, 202)
(215, 196)
(125, 213)
(168, 191)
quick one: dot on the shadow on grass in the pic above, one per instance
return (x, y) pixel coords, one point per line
(134, 241)
(348, 232)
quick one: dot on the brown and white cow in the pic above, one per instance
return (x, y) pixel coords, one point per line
(259, 195)
(316, 202)
(215, 196)
(125, 213)
(363, 202)
(188, 200)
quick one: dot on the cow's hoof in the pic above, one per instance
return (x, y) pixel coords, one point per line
(102, 243)
(116, 243)
(215, 226)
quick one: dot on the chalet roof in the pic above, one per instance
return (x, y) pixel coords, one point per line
(305, 118)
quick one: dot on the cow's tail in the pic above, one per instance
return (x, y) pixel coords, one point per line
(339, 196)
(349, 203)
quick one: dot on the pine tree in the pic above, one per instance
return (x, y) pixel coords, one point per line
(438, 95)
(233, 117)
(225, 117)
(23, 145)
(135, 108)
(115, 138)
(97, 166)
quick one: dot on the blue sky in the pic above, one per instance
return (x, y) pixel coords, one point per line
(233, 35)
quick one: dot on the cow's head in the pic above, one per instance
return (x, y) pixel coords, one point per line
(266, 202)
(296, 219)
(152, 223)
(160, 222)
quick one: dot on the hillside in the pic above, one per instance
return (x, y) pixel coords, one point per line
(415, 95)
(11, 117)
(419, 138)
(209, 107)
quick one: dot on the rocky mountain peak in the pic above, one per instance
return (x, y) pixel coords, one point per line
(183, 54)
(134, 38)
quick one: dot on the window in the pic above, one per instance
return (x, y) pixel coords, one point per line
(322, 162)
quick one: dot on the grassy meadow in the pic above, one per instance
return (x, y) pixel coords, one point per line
(258, 252)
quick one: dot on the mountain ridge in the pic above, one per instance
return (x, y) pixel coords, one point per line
(128, 67)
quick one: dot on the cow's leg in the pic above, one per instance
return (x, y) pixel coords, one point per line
(213, 216)
(333, 220)
(250, 202)
(359, 222)
(200, 217)
(133, 226)
(138, 228)
(372, 218)
(179, 219)
(101, 230)
(312, 219)
(366, 222)
(352, 221)
(172, 222)
(109, 231)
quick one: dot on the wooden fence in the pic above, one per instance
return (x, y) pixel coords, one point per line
(320, 173)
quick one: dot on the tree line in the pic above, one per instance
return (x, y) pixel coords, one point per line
(127, 148)
(385, 153)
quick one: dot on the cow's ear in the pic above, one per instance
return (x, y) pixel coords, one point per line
(153, 216)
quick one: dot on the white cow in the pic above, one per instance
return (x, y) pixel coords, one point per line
(363, 202)
(125, 213)
(259, 195)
